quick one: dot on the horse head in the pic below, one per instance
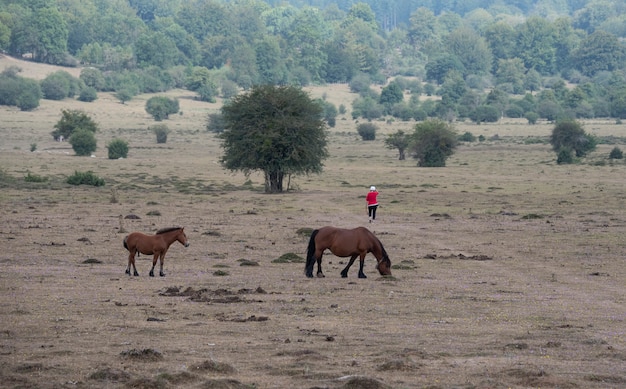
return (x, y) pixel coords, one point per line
(182, 237)
(384, 266)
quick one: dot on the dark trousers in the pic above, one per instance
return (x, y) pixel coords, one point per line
(371, 210)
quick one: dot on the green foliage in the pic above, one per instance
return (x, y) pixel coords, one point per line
(161, 131)
(85, 178)
(275, 129)
(398, 140)
(329, 112)
(88, 94)
(565, 156)
(83, 142)
(93, 78)
(35, 178)
(616, 153)
(391, 94)
(485, 113)
(532, 117)
(71, 121)
(118, 148)
(467, 137)
(161, 107)
(59, 85)
(433, 142)
(367, 131)
(570, 135)
(19, 91)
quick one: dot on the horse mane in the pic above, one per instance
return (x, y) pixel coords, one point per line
(167, 229)
(385, 255)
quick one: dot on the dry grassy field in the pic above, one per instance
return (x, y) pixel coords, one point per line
(508, 269)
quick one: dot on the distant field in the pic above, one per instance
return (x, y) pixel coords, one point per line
(508, 269)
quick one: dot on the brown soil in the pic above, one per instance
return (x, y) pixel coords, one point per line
(508, 270)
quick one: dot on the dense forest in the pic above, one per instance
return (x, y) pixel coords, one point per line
(485, 58)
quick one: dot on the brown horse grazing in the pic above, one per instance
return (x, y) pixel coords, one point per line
(342, 242)
(156, 244)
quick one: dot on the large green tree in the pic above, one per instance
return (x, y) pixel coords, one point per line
(278, 130)
(433, 142)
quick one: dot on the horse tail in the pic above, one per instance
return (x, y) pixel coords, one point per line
(126, 243)
(310, 253)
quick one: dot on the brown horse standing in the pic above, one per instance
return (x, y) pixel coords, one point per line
(342, 242)
(156, 244)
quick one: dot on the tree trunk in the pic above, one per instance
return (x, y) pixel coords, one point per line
(274, 181)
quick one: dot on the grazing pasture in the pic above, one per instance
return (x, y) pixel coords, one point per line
(508, 270)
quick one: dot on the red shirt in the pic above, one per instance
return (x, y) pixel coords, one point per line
(371, 198)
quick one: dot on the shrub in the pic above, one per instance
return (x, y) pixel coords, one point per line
(532, 117)
(433, 142)
(565, 156)
(73, 120)
(569, 134)
(56, 86)
(118, 148)
(160, 107)
(161, 131)
(85, 178)
(616, 153)
(467, 137)
(83, 142)
(367, 131)
(88, 94)
(34, 178)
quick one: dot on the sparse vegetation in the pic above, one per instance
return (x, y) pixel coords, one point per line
(85, 178)
(118, 148)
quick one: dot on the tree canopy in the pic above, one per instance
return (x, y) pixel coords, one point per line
(278, 130)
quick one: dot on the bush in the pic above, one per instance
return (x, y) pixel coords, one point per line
(616, 153)
(485, 113)
(71, 121)
(569, 134)
(60, 85)
(83, 142)
(88, 94)
(34, 178)
(85, 178)
(467, 137)
(367, 131)
(160, 107)
(161, 131)
(118, 148)
(565, 156)
(532, 117)
(22, 92)
(433, 142)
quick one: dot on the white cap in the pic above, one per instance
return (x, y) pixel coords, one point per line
(372, 187)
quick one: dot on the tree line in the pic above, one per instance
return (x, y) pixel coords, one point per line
(470, 53)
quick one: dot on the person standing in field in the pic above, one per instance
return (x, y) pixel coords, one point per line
(371, 203)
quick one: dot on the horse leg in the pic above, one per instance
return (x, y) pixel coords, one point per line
(362, 261)
(344, 272)
(154, 261)
(131, 262)
(319, 266)
(161, 274)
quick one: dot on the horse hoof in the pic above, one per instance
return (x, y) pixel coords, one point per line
(136, 274)
(320, 275)
(128, 271)
(161, 274)
(309, 275)
(151, 274)
(362, 276)
(344, 275)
